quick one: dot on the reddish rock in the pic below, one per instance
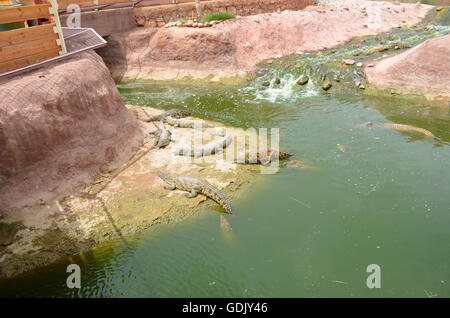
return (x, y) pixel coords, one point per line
(424, 69)
(175, 53)
(348, 62)
(59, 126)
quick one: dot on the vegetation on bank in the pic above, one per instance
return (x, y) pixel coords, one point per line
(218, 16)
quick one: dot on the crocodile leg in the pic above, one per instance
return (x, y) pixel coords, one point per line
(169, 187)
(191, 194)
(266, 159)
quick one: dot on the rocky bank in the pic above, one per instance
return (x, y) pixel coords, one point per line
(422, 70)
(60, 126)
(233, 48)
(122, 202)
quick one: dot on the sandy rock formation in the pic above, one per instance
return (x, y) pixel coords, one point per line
(424, 69)
(234, 47)
(59, 127)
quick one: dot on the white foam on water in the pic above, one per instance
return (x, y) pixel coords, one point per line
(287, 89)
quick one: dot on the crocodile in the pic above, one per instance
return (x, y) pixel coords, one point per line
(401, 127)
(261, 158)
(174, 113)
(225, 225)
(164, 136)
(210, 148)
(195, 186)
(186, 123)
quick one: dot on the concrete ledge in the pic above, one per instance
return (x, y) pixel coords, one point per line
(159, 15)
(105, 22)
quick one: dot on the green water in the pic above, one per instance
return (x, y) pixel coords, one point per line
(302, 233)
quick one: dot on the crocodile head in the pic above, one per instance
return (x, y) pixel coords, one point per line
(167, 177)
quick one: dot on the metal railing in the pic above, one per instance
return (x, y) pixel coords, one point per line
(93, 5)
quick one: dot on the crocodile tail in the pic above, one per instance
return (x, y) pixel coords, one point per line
(219, 197)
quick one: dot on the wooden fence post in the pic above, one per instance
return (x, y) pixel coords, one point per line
(57, 29)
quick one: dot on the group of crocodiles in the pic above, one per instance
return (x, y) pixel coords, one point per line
(194, 186)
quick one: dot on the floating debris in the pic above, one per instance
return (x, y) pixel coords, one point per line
(429, 295)
(339, 282)
(341, 147)
(302, 203)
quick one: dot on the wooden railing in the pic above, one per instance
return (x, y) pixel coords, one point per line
(25, 46)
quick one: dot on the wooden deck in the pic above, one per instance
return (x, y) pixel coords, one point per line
(76, 40)
(27, 48)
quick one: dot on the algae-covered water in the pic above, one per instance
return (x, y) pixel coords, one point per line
(372, 196)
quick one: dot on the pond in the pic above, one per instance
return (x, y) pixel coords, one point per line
(373, 196)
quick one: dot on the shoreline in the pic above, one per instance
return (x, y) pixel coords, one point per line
(123, 202)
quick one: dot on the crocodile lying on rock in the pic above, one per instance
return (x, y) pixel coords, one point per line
(210, 148)
(174, 113)
(186, 123)
(195, 186)
(401, 127)
(261, 158)
(164, 136)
